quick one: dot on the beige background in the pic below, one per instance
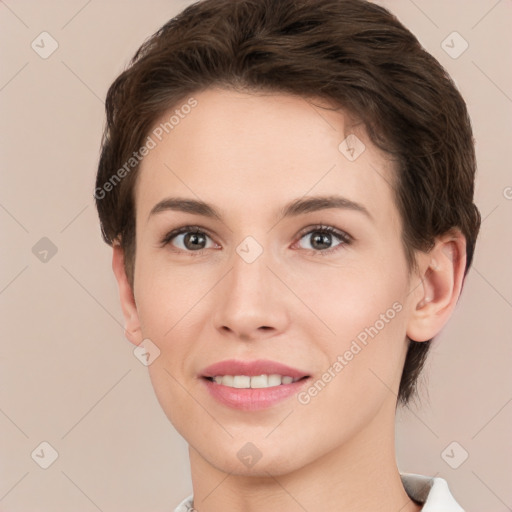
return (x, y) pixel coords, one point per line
(67, 374)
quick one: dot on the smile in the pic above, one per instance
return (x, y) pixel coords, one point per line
(257, 381)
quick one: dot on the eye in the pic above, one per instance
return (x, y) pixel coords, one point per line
(194, 240)
(320, 239)
(190, 239)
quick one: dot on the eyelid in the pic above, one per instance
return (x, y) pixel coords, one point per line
(166, 239)
(343, 235)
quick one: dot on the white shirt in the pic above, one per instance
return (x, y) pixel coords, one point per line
(432, 493)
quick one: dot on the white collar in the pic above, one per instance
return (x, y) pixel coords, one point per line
(432, 492)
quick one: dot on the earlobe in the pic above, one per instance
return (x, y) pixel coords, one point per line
(441, 277)
(132, 324)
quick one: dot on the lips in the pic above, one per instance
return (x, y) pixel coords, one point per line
(252, 398)
(252, 369)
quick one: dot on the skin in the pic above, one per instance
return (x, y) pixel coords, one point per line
(248, 155)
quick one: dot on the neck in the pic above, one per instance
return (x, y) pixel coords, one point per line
(359, 475)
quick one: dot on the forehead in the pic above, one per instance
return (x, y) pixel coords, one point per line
(255, 151)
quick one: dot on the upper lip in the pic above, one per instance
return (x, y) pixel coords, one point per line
(251, 369)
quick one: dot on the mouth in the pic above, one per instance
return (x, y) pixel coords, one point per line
(252, 385)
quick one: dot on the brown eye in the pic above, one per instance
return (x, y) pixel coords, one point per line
(194, 241)
(323, 239)
(188, 239)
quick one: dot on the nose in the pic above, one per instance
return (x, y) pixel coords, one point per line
(251, 302)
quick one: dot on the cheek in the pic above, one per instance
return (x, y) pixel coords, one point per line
(168, 294)
(350, 298)
(169, 300)
(176, 399)
(362, 328)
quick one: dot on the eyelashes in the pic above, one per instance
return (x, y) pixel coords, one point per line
(195, 235)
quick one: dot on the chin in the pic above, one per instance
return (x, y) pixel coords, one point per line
(275, 464)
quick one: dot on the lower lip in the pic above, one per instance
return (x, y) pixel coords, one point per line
(249, 399)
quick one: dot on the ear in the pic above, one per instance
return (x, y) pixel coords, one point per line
(132, 324)
(441, 273)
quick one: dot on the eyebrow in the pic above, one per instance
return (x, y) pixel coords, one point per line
(292, 209)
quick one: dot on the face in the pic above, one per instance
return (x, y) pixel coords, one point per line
(272, 276)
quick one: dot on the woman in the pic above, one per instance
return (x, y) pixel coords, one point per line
(288, 190)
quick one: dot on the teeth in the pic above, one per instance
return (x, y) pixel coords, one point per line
(274, 380)
(241, 381)
(227, 380)
(258, 381)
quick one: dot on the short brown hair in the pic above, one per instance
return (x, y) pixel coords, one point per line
(351, 52)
